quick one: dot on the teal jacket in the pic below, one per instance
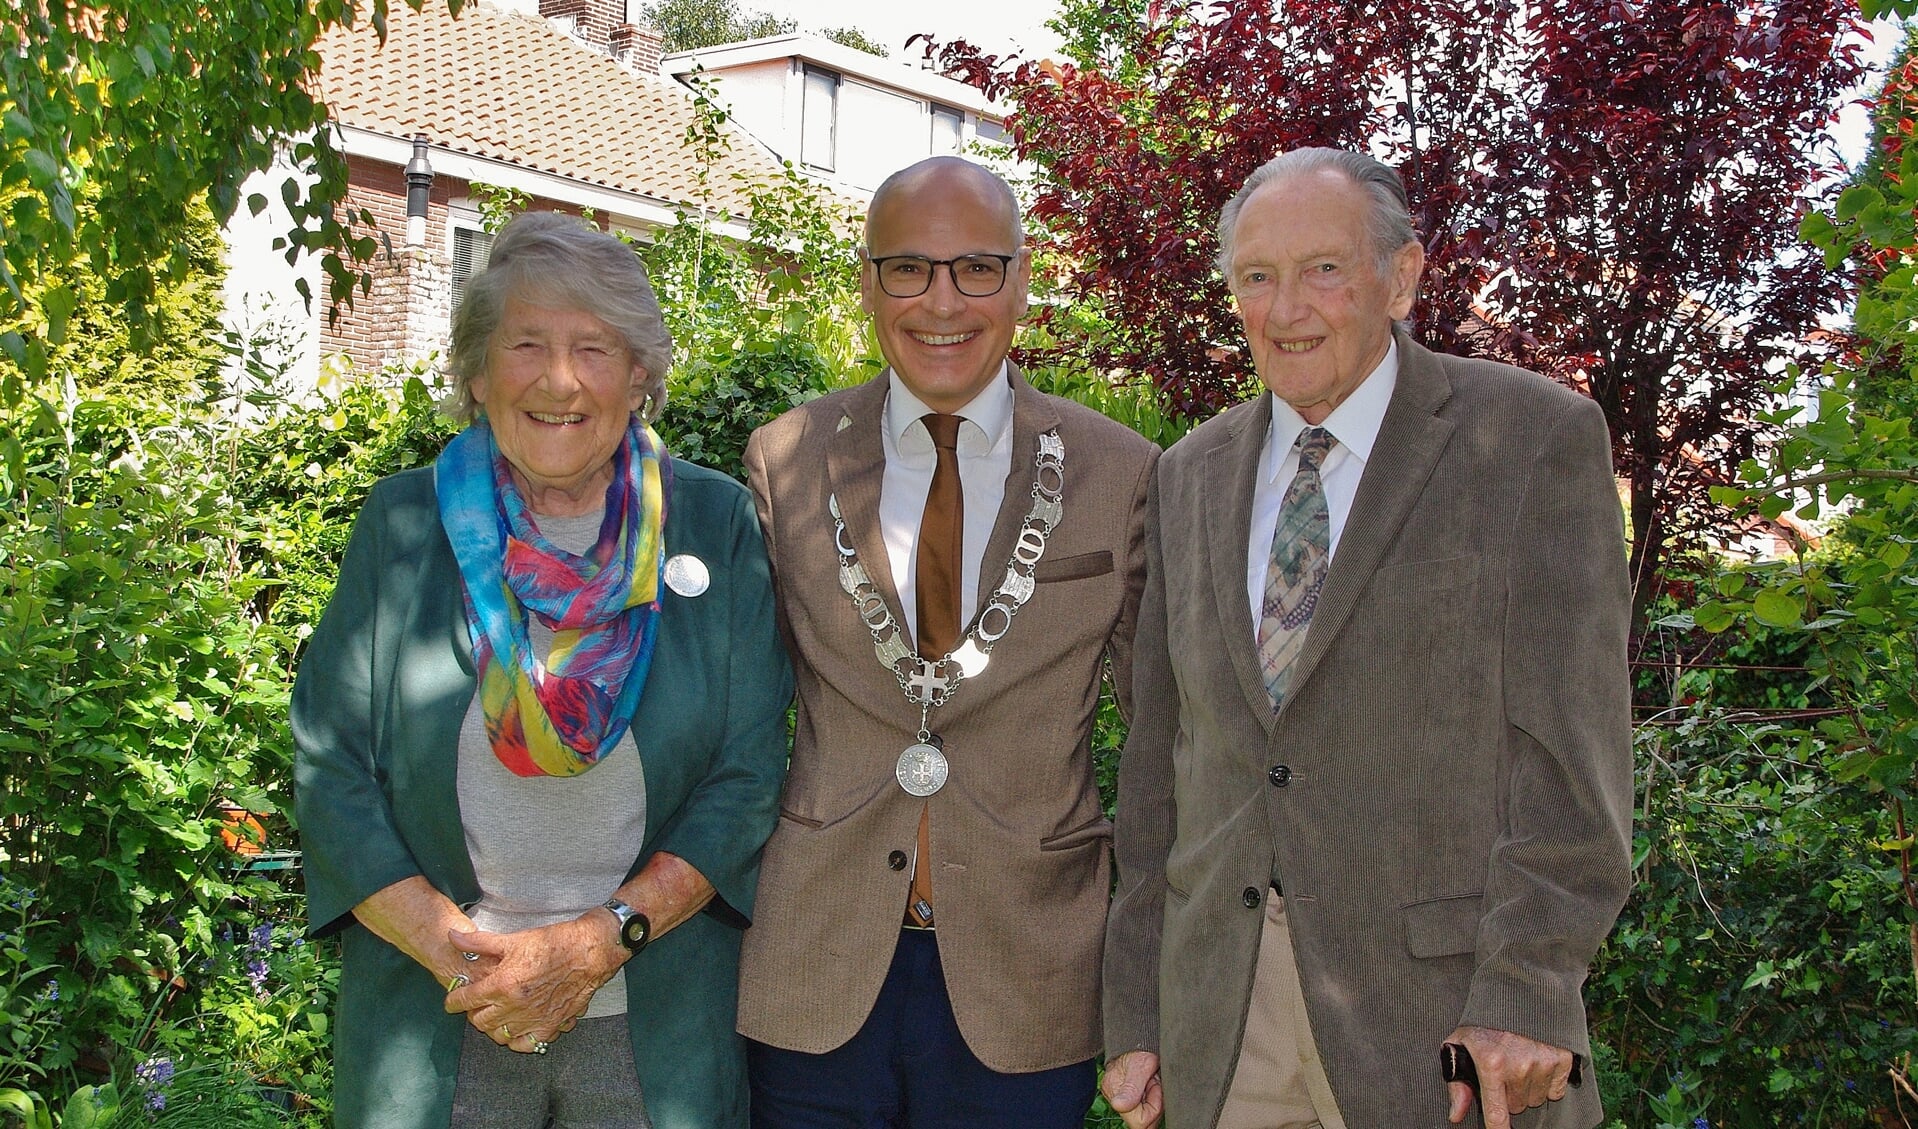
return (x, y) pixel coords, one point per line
(376, 715)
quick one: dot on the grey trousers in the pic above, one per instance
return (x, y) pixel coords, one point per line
(587, 1080)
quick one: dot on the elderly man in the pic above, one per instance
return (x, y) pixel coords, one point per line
(956, 558)
(1377, 796)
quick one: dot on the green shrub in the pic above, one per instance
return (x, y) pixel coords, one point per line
(303, 471)
(1759, 975)
(140, 693)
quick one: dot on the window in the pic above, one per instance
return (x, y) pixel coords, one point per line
(990, 130)
(819, 115)
(471, 248)
(948, 130)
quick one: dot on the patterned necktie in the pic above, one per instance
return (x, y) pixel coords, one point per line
(1301, 554)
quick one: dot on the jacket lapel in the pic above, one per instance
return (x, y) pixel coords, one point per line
(1231, 471)
(1032, 413)
(1410, 440)
(856, 468)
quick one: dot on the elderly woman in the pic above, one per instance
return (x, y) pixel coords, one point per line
(541, 733)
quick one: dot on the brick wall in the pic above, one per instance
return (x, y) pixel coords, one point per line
(405, 315)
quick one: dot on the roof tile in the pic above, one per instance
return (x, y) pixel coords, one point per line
(513, 88)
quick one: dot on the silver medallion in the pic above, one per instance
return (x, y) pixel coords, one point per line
(921, 769)
(687, 575)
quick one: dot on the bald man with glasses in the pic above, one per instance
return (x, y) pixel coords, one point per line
(958, 560)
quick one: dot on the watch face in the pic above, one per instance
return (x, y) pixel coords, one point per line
(635, 931)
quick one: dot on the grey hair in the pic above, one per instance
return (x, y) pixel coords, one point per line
(982, 177)
(550, 259)
(1388, 222)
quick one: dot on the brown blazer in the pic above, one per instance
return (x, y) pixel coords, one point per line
(1451, 824)
(1019, 840)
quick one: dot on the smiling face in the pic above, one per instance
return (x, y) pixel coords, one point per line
(945, 346)
(558, 389)
(1318, 311)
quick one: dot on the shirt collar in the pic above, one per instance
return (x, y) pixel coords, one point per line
(990, 412)
(1354, 423)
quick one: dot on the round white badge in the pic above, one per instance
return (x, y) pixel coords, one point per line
(687, 575)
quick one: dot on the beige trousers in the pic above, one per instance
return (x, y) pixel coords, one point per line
(1279, 1082)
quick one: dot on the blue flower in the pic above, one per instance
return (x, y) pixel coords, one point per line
(1701, 1123)
(256, 972)
(261, 938)
(53, 989)
(1850, 1084)
(154, 1072)
(153, 1075)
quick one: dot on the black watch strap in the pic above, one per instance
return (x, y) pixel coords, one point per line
(635, 929)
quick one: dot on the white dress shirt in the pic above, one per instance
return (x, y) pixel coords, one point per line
(985, 459)
(1355, 424)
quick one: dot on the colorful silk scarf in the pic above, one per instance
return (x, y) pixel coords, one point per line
(556, 718)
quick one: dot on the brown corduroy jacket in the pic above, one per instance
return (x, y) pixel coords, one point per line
(1452, 823)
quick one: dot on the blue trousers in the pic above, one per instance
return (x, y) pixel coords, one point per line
(909, 1068)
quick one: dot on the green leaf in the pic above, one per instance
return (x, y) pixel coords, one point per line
(42, 170)
(1856, 199)
(1777, 609)
(17, 126)
(57, 304)
(1713, 616)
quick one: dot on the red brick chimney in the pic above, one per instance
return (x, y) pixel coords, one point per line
(638, 48)
(592, 21)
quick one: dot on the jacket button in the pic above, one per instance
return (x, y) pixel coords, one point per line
(1280, 775)
(1251, 897)
(896, 860)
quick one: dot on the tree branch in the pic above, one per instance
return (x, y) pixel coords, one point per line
(1843, 475)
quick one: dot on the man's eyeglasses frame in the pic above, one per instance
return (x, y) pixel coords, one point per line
(952, 270)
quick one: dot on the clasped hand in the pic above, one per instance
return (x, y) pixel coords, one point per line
(527, 988)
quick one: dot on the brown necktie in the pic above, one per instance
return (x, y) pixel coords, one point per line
(936, 599)
(941, 533)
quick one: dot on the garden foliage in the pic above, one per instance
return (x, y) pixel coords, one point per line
(1765, 967)
(167, 542)
(141, 692)
(154, 112)
(1608, 193)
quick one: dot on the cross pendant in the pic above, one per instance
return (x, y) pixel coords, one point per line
(927, 681)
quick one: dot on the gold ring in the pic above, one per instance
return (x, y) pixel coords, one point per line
(505, 1034)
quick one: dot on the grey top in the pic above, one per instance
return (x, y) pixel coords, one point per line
(548, 848)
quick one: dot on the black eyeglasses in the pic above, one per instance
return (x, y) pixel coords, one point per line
(908, 276)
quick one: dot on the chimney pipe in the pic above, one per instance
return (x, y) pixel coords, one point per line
(419, 186)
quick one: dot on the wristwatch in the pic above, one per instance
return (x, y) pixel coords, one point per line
(634, 927)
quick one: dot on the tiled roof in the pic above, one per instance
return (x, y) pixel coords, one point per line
(513, 88)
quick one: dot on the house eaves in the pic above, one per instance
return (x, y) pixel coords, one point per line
(898, 75)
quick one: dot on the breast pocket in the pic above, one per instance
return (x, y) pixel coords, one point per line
(1076, 567)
